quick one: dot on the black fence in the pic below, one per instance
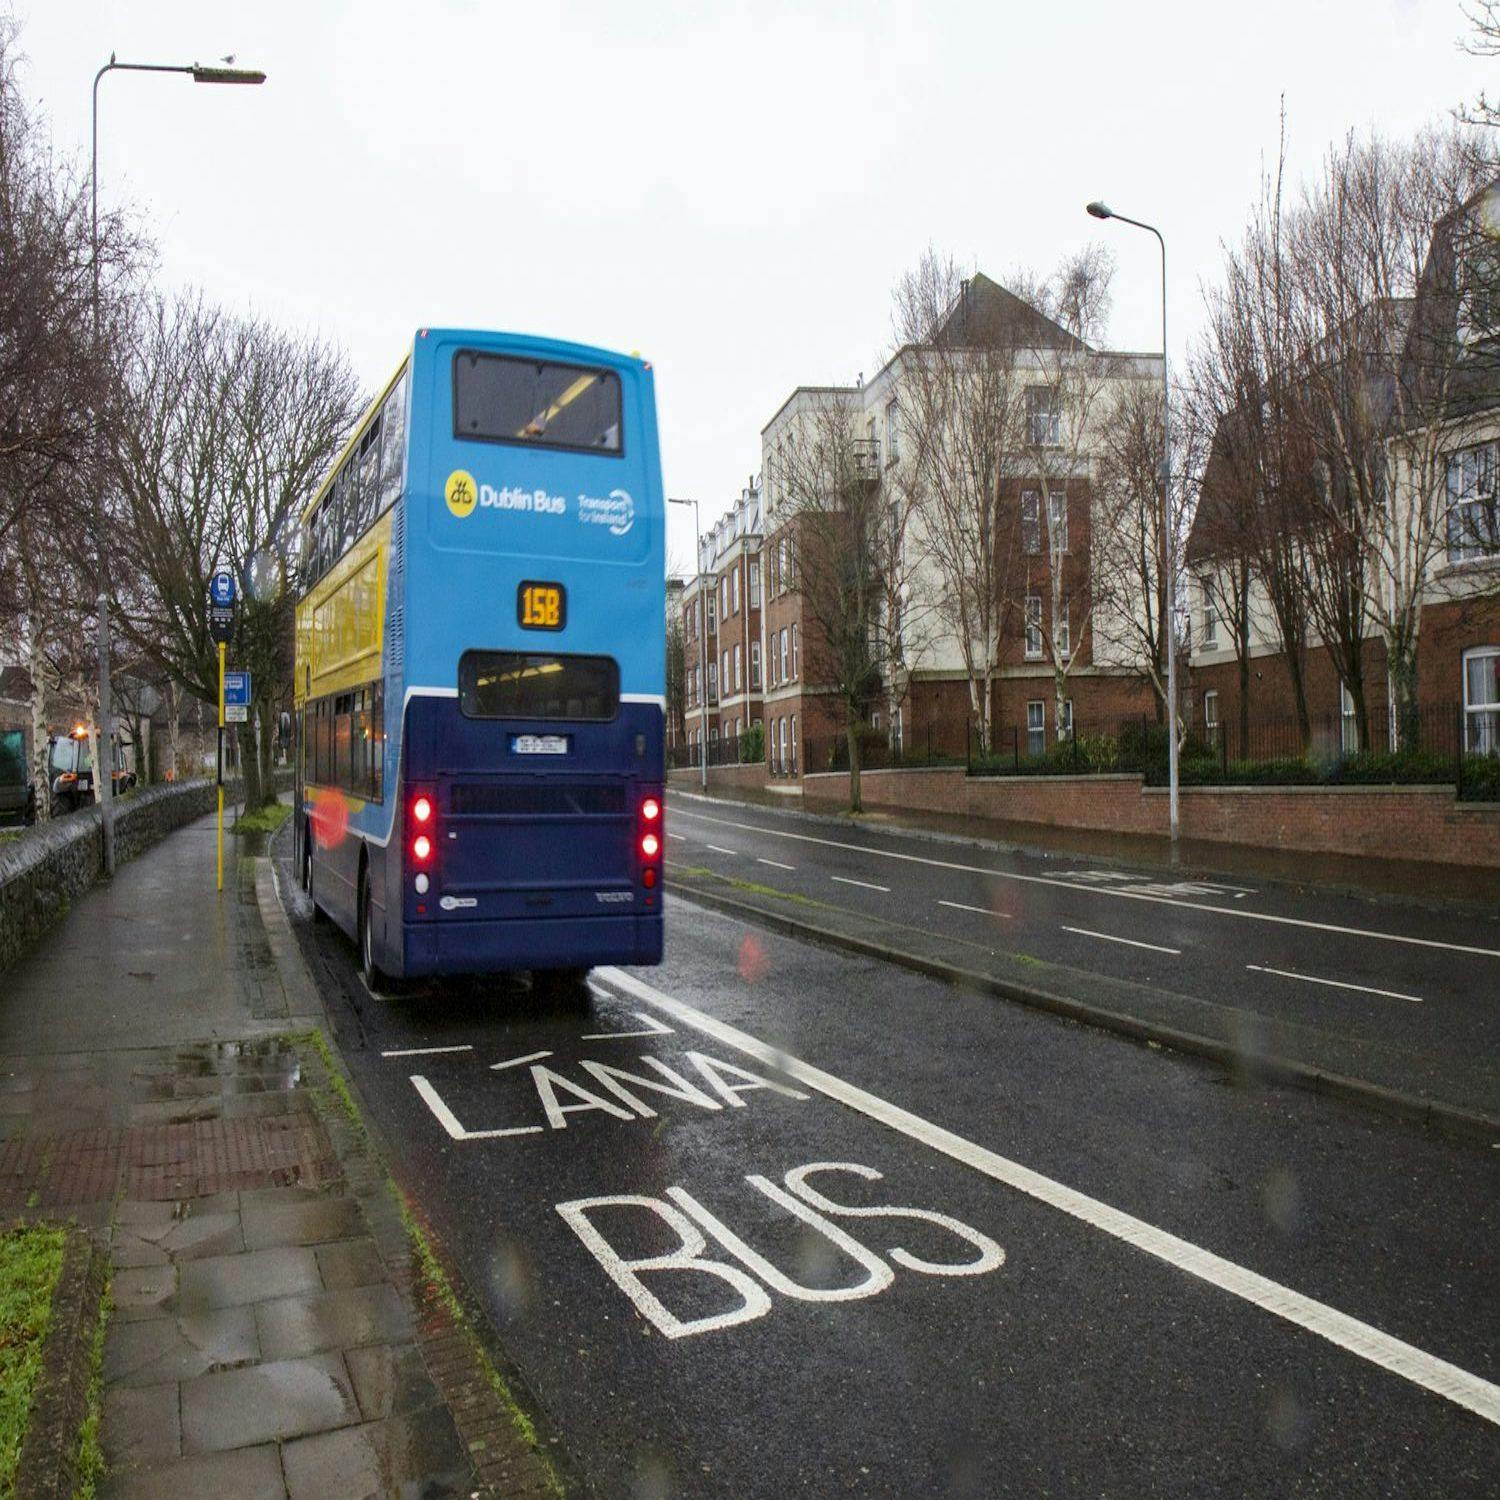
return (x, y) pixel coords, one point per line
(934, 745)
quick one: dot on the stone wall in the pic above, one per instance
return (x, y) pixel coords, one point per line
(50, 865)
(738, 778)
(1385, 822)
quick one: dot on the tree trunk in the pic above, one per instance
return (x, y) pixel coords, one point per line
(1294, 666)
(41, 780)
(172, 769)
(1402, 660)
(249, 767)
(267, 725)
(855, 805)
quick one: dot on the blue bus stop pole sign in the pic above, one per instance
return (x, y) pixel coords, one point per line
(221, 589)
(236, 697)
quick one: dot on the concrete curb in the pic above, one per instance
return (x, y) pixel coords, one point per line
(1448, 1119)
(59, 1404)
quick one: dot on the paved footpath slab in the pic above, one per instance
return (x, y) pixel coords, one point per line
(270, 1332)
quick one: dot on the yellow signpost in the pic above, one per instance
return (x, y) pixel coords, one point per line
(220, 837)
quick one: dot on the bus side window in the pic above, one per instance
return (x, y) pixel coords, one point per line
(369, 477)
(393, 445)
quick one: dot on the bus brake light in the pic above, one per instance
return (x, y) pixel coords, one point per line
(651, 809)
(421, 809)
(422, 847)
(650, 845)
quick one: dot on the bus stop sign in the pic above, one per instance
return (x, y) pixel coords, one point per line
(236, 697)
(221, 589)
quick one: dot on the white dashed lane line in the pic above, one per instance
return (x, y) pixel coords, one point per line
(679, 837)
(424, 1051)
(983, 911)
(718, 849)
(775, 864)
(1109, 937)
(868, 885)
(1337, 984)
(1072, 885)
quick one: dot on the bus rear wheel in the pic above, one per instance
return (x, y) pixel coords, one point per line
(376, 979)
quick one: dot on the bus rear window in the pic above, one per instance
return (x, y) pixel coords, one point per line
(501, 399)
(537, 685)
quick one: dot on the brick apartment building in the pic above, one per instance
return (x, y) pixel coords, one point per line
(931, 701)
(1458, 651)
(723, 640)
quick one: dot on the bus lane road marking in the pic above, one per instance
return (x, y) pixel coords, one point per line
(1101, 890)
(1337, 984)
(1366, 1342)
(424, 1051)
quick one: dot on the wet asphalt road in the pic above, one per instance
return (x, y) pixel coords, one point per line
(1078, 1364)
(1420, 985)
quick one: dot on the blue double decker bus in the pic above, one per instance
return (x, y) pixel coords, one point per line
(481, 662)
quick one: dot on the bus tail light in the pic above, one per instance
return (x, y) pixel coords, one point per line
(649, 839)
(421, 812)
(421, 848)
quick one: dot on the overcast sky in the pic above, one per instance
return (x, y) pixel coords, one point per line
(730, 189)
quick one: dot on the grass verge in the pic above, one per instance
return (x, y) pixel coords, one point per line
(265, 819)
(30, 1259)
(432, 1270)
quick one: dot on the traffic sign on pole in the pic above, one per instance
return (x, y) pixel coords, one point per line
(222, 590)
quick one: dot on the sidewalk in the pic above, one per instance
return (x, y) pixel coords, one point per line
(161, 1084)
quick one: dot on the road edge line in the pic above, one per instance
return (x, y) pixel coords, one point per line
(1448, 1119)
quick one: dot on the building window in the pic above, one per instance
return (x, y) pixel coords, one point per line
(897, 727)
(1042, 420)
(1211, 713)
(892, 443)
(754, 585)
(1210, 618)
(1473, 504)
(1067, 719)
(713, 682)
(1057, 523)
(754, 666)
(1031, 522)
(795, 668)
(735, 576)
(783, 664)
(1036, 727)
(794, 744)
(1033, 627)
(1065, 630)
(781, 759)
(737, 668)
(713, 614)
(1348, 722)
(781, 567)
(1482, 700)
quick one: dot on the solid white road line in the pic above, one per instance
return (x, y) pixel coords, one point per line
(515, 1062)
(424, 1051)
(718, 849)
(775, 864)
(1337, 984)
(1109, 937)
(677, 836)
(1410, 1363)
(869, 885)
(983, 911)
(1099, 890)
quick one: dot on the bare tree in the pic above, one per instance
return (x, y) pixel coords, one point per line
(961, 399)
(831, 498)
(226, 428)
(1064, 394)
(1483, 17)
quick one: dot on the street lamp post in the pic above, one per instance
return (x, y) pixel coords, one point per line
(104, 768)
(702, 647)
(1169, 548)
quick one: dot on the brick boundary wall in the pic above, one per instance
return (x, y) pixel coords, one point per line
(52, 864)
(754, 776)
(1387, 822)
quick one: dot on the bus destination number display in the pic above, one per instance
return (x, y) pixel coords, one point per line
(541, 606)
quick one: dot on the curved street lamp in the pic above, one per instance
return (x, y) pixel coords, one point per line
(105, 782)
(1101, 210)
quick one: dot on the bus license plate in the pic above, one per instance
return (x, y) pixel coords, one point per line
(540, 744)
